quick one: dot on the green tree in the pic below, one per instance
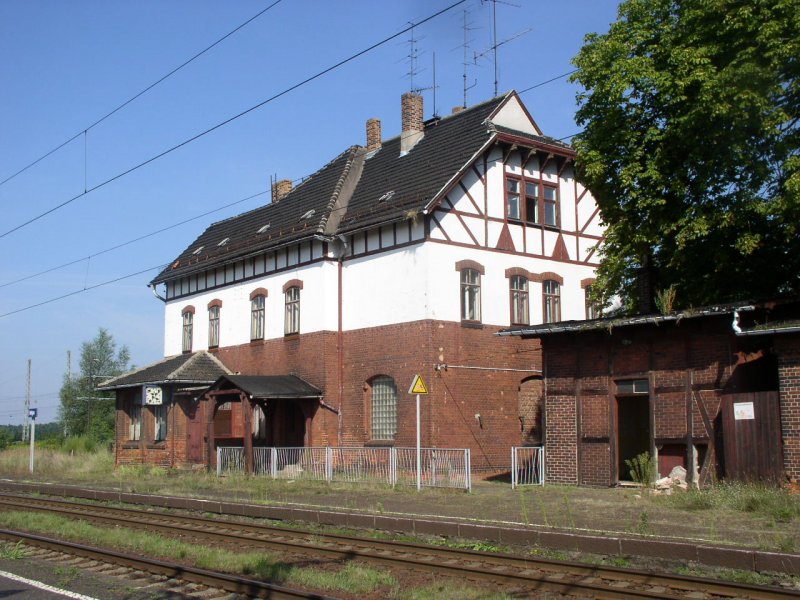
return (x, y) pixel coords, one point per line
(690, 111)
(81, 412)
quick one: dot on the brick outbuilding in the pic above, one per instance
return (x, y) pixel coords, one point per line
(714, 390)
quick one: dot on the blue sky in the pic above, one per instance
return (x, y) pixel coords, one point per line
(67, 64)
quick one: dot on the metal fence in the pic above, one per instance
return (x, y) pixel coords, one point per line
(440, 467)
(527, 465)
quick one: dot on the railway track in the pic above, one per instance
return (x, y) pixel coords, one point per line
(520, 574)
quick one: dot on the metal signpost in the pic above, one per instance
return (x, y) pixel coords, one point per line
(32, 415)
(418, 387)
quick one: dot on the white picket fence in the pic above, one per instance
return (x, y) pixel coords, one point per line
(440, 467)
(527, 465)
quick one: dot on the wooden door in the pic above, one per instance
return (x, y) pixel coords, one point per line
(195, 432)
(751, 431)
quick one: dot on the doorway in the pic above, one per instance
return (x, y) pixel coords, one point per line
(633, 431)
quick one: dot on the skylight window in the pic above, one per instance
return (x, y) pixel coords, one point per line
(198, 251)
(263, 228)
(309, 214)
(225, 241)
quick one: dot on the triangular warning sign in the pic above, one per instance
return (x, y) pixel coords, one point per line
(417, 386)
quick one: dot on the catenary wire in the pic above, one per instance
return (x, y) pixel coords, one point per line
(291, 88)
(132, 241)
(85, 289)
(138, 95)
(551, 80)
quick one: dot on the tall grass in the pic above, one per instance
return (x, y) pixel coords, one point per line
(50, 463)
(770, 502)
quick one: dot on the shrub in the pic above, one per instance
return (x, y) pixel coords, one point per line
(642, 469)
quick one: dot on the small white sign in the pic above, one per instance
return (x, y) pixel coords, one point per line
(743, 411)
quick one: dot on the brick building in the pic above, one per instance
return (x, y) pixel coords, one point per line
(398, 258)
(715, 390)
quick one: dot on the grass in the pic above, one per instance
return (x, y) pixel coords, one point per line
(773, 503)
(452, 591)
(11, 551)
(351, 578)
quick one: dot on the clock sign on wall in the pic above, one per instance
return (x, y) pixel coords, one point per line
(153, 395)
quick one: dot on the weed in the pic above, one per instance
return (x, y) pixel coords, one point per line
(476, 546)
(642, 526)
(543, 509)
(568, 512)
(447, 590)
(379, 507)
(523, 507)
(642, 469)
(550, 554)
(66, 575)
(12, 551)
(787, 543)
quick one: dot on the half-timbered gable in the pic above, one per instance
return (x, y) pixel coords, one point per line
(390, 260)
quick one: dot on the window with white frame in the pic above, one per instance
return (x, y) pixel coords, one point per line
(470, 295)
(135, 421)
(384, 408)
(292, 316)
(188, 325)
(520, 314)
(160, 412)
(551, 295)
(257, 308)
(213, 326)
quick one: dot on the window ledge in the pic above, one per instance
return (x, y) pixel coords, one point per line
(257, 342)
(291, 336)
(157, 446)
(379, 444)
(472, 324)
(130, 445)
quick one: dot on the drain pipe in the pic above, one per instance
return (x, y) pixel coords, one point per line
(152, 287)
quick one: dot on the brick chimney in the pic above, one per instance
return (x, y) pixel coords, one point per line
(373, 134)
(412, 133)
(280, 189)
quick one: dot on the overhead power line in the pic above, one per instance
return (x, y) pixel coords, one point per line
(132, 241)
(291, 88)
(138, 95)
(85, 289)
(551, 80)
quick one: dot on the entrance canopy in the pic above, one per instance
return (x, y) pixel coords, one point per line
(265, 387)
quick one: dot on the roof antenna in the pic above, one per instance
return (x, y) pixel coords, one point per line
(495, 44)
(412, 58)
(467, 28)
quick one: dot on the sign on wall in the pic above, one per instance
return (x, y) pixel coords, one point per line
(153, 395)
(743, 411)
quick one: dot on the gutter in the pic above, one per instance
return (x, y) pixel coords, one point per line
(771, 331)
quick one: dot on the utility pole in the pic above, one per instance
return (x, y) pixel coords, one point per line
(27, 405)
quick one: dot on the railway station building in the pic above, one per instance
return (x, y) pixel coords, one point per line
(303, 322)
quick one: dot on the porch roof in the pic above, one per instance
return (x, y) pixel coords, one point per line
(268, 386)
(198, 368)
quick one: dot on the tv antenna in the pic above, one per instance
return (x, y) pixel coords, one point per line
(495, 44)
(467, 27)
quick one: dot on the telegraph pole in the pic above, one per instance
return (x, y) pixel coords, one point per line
(27, 405)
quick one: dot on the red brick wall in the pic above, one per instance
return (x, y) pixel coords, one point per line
(581, 438)
(448, 412)
(788, 348)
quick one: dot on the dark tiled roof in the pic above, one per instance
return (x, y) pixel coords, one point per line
(417, 177)
(269, 386)
(198, 368)
(285, 219)
(407, 184)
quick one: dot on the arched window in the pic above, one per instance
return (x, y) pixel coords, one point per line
(257, 309)
(291, 322)
(188, 326)
(520, 315)
(551, 292)
(383, 408)
(213, 324)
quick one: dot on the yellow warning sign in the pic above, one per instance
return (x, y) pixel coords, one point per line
(417, 386)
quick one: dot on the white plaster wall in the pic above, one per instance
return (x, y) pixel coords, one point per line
(512, 115)
(444, 284)
(318, 310)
